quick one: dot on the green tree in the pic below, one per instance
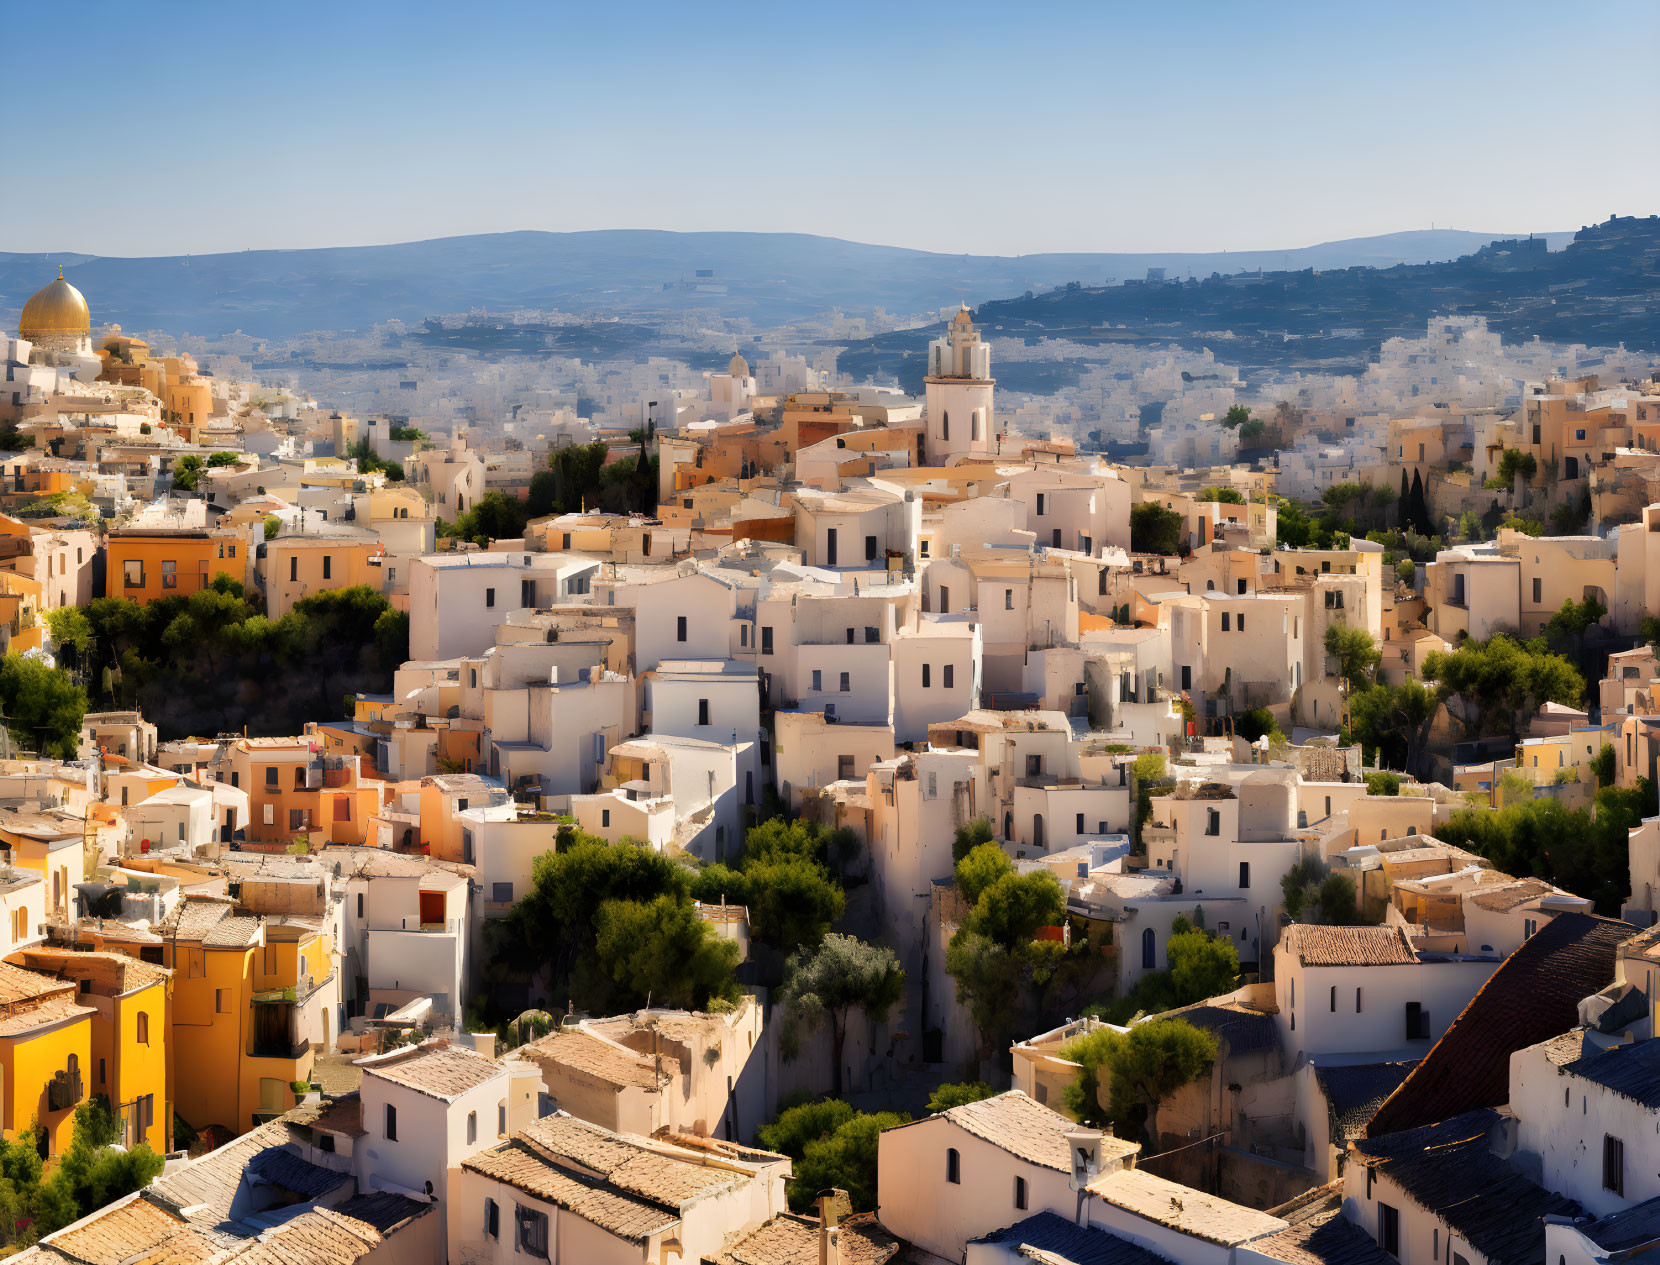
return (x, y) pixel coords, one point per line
(1355, 653)
(783, 876)
(977, 871)
(71, 631)
(187, 472)
(1225, 496)
(662, 952)
(802, 1123)
(946, 1097)
(1152, 1061)
(1201, 965)
(970, 836)
(43, 709)
(1406, 571)
(1255, 722)
(1383, 783)
(219, 459)
(1154, 529)
(1395, 720)
(543, 500)
(831, 1145)
(273, 526)
(1602, 765)
(840, 976)
(1514, 461)
(1501, 682)
(1237, 415)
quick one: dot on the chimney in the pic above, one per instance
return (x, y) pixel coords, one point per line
(833, 1205)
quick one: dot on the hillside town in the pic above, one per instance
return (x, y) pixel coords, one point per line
(781, 819)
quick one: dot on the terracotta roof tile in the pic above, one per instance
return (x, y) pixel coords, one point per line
(592, 1199)
(1024, 1128)
(791, 1240)
(435, 1068)
(1329, 1239)
(122, 1230)
(614, 1065)
(1349, 946)
(1533, 997)
(1183, 1208)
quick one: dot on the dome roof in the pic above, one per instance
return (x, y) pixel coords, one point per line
(962, 317)
(738, 367)
(58, 309)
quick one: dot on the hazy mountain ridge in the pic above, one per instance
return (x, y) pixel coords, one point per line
(768, 277)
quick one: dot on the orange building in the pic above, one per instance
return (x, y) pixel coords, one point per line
(149, 563)
(299, 564)
(294, 790)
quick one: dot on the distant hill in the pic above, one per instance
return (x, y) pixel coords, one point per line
(768, 277)
(1602, 289)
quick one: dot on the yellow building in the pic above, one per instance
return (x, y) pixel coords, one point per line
(238, 995)
(149, 563)
(300, 564)
(51, 846)
(130, 1022)
(45, 1051)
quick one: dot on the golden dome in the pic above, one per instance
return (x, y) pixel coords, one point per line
(738, 367)
(962, 317)
(57, 310)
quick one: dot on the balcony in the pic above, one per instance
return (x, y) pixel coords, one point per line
(64, 1090)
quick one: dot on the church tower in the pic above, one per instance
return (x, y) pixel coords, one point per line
(959, 416)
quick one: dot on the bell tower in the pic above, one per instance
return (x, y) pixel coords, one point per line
(958, 413)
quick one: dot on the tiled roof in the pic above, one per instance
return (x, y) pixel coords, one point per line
(122, 971)
(1450, 1170)
(1532, 997)
(1024, 1128)
(1245, 1030)
(592, 1199)
(1074, 1244)
(20, 986)
(1183, 1208)
(235, 932)
(119, 1232)
(1631, 1071)
(1330, 1239)
(209, 1186)
(435, 1068)
(1502, 899)
(1355, 1092)
(625, 1163)
(196, 916)
(28, 1017)
(791, 1240)
(612, 1064)
(318, 1236)
(1349, 946)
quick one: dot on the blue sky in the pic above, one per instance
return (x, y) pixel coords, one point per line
(967, 127)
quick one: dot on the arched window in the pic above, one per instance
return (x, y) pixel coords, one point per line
(953, 1167)
(1147, 953)
(143, 1028)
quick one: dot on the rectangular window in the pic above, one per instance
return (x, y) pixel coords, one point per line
(703, 711)
(1078, 824)
(1020, 1194)
(1389, 1229)
(680, 628)
(847, 682)
(492, 1219)
(294, 567)
(222, 1001)
(489, 597)
(391, 1123)
(766, 640)
(850, 636)
(360, 904)
(1241, 623)
(1040, 504)
(1008, 599)
(743, 635)
(472, 1127)
(501, 893)
(948, 674)
(818, 679)
(533, 1232)
(1613, 1165)
(604, 817)
(1538, 590)
(1213, 821)
(1034, 766)
(1225, 621)
(271, 776)
(169, 575)
(1244, 874)
(870, 548)
(925, 678)
(328, 565)
(872, 636)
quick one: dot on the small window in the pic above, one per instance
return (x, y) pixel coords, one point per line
(294, 567)
(1020, 1194)
(472, 1127)
(1613, 1165)
(947, 675)
(222, 1001)
(1008, 599)
(926, 678)
(169, 575)
(1213, 821)
(391, 1123)
(360, 904)
(953, 1166)
(533, 1231)
(489, 597)
(680, 628)
(846, 683)
(492, 1219)
(703, 711)
(766, 640)
(818, 679)
(1244, 874)
(1357, 1001)
(328, 565)
(872, 636)
(1389, 1229)
(143, 1031)
(501, 1118)
(604, 818)
(1334, 999)
(1225, 621)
